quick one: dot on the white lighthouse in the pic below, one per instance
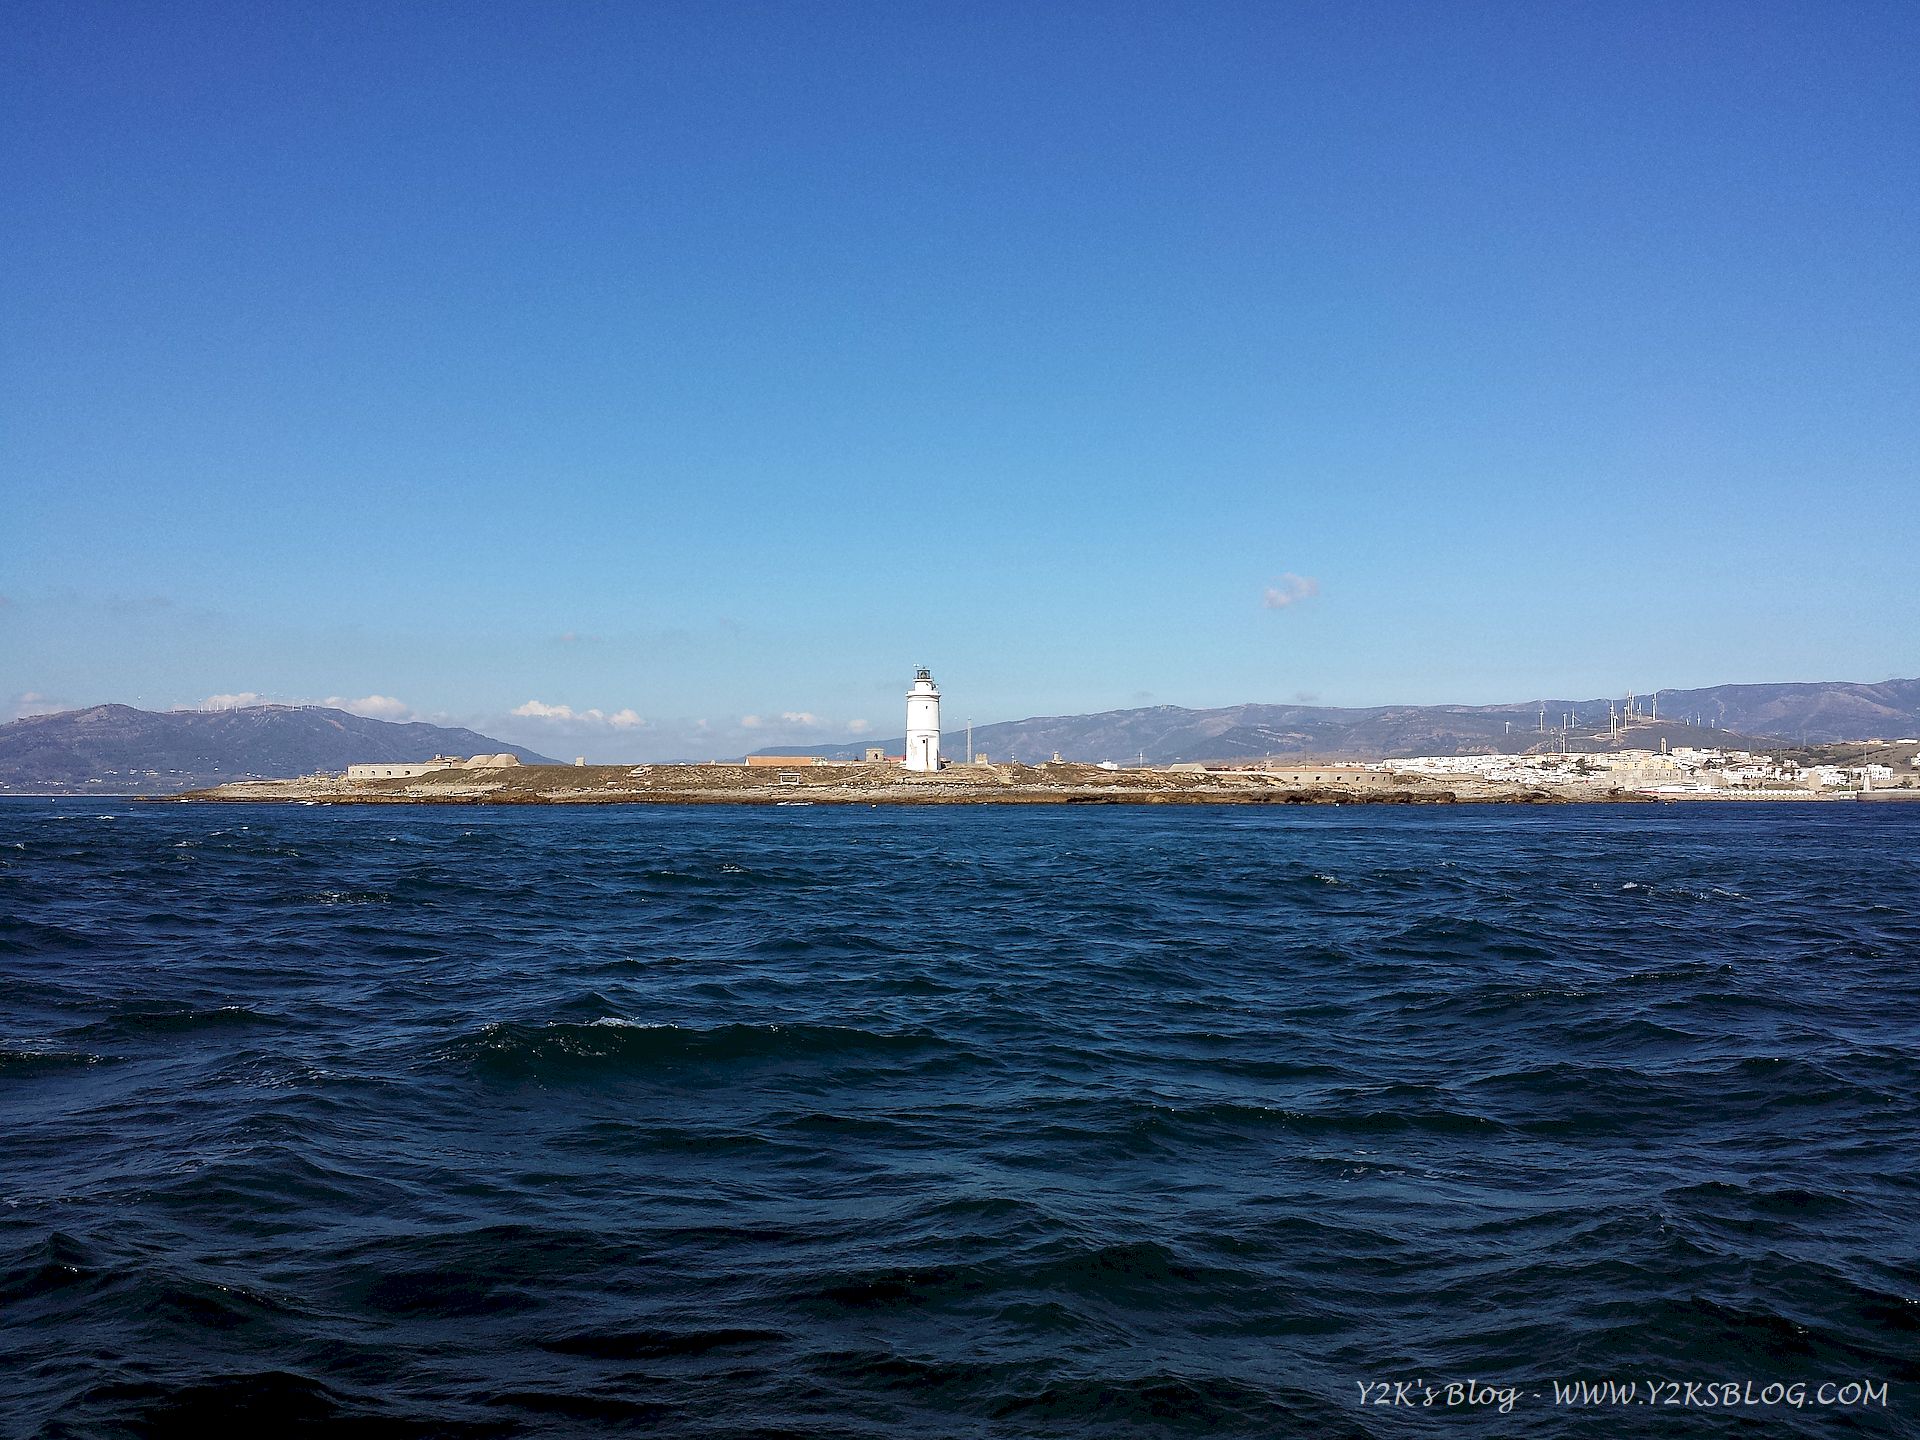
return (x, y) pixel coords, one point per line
(923, 722)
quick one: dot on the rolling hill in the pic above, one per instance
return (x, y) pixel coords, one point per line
(118, 750)
(1740, 716)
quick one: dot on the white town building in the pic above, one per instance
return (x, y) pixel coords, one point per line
(923, 723)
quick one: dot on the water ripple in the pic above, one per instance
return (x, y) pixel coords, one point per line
(1045, 1122)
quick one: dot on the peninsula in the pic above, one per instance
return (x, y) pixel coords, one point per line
(886, 784)
(924, 776)
(1885, 772)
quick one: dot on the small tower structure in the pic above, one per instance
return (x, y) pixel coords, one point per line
(923, 722)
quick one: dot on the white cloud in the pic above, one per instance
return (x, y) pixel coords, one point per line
(32, 702)
(566, 715)
(625, 736)
(785, 720)
(1290, 589)
(374, 707)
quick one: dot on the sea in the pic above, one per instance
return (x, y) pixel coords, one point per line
(959, 1121)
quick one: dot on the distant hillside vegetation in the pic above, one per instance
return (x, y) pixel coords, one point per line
(116, 749)
(1736, 715)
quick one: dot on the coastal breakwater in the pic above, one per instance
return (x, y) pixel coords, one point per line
(878, 784)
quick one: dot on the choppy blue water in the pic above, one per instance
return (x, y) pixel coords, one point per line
(1051, 1122)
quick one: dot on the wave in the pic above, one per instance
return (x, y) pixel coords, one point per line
(1121, 1127)
(57, 1262)
(659, 1344)
(1152, 1402)
(181, 1019)
(1077, 1273)
(260, 1402)
(523, 1050)
(20, 936)
(567, 1403)
(21, 1061)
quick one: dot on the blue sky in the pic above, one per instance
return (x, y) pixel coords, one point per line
(683, 375)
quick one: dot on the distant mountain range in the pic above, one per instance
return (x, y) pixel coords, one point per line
(118, 750)
(1730, 715)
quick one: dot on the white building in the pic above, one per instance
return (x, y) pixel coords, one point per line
(427, 767)
(391, 772)
(923, 722)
